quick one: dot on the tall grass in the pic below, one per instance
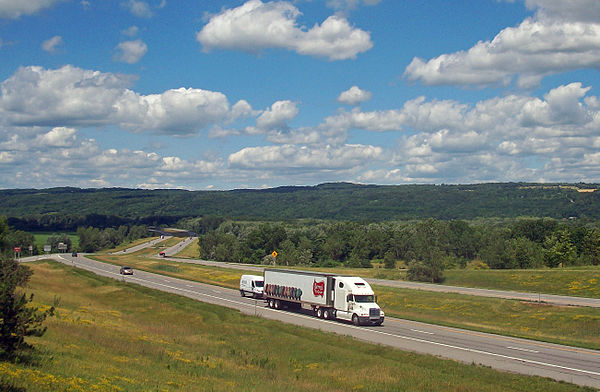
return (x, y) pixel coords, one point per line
(113, 336)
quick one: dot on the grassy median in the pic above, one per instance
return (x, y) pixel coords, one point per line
(109, 335)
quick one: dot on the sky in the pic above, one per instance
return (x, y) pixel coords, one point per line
(219, 95)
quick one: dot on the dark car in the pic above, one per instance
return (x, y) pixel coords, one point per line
(74, 254)
(126, 270)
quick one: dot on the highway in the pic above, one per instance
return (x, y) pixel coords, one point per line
(521, 296)
(575, 365)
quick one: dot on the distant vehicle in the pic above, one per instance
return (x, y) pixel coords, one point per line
(162, 254)
(328, 295)
(126, 270)
(74, 254)
(252, 285)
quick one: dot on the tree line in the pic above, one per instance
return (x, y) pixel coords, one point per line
(430, 243)
(92, 239)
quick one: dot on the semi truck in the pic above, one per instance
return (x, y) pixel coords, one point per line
(329, 296)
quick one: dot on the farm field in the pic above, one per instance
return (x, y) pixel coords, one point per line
(42, 237)
(577, 326)
(113, 336)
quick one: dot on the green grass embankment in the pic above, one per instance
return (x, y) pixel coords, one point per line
(109, 335)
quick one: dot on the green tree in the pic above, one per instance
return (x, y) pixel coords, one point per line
(559, 250)
(389, 261)
(591, 247)
(524, 253)
(429, 266)
(18, 319)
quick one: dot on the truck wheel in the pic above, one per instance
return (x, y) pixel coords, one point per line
(271, 303)
(320, 312)
(327, 314)
(242, 293)
(355, 320)
(277, 304)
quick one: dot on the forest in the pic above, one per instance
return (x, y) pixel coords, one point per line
(70, 208)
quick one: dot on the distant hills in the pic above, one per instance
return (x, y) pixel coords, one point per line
(338, 201)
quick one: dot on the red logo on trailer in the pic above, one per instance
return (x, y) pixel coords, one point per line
(318, 288)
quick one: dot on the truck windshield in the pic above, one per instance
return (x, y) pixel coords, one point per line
(364, 298)
(259, 283)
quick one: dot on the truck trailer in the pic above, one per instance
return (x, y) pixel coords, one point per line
(329, 296)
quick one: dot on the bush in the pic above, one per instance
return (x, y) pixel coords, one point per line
(425, 272)
(477, 265)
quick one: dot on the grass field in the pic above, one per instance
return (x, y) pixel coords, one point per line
(576, 326)
(42, 237)
(573, 281)
(190, 251)
(113, 336)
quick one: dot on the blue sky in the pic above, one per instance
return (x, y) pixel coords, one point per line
(253, 94)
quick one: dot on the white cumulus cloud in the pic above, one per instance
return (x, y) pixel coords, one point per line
(303, 157)
(354, 95)
(15, 8)
(51, 45)
(137, 8)
(255, 26)
(560, 37)
(71, 96)
(130, 52)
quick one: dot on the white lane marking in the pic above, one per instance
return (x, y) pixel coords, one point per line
(523, 349)
(418, 340)
(419, 331)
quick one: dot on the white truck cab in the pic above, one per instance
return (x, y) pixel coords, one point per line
(355, 301)
(252, 285)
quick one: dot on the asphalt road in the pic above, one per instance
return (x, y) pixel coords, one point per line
(521, 296)
(172, 250)
(144, 245)
(575, 365)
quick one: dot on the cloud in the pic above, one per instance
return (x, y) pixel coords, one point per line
(349, 5)
(513, 138)
(13, 9)
(354, 96)
(293, 157)
(130, 52)
(57, 137)
(60, 157)
(277, 116)
(575, 10)
(51, 45)
(255, 26)
(141, 9)
(560, 37)
(71, 96)
(131, 31)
